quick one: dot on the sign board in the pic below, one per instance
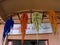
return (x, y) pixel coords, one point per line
(44, 28)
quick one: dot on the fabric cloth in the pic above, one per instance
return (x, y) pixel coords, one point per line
(53, 20)
(24, 21)
(36, 21)
(8, 25)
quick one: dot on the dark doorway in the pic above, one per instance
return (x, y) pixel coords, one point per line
(29, 42)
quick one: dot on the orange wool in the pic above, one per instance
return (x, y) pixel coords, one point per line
(53, 20)
(24, 21)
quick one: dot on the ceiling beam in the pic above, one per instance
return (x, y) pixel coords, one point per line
(2, 13)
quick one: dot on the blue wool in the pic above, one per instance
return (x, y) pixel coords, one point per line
(8, 25)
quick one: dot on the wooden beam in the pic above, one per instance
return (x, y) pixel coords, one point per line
(2, 13)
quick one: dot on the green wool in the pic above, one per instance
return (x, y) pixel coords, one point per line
(36, 20)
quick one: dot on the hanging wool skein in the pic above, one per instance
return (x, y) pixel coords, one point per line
(24, 21)
(53, 20)
(36, 20)
(8, 25)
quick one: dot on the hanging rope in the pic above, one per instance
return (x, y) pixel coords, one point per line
(53, 20)
(24, 21)
(36, 20)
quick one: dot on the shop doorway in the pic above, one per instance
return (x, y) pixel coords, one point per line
(29, 42)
